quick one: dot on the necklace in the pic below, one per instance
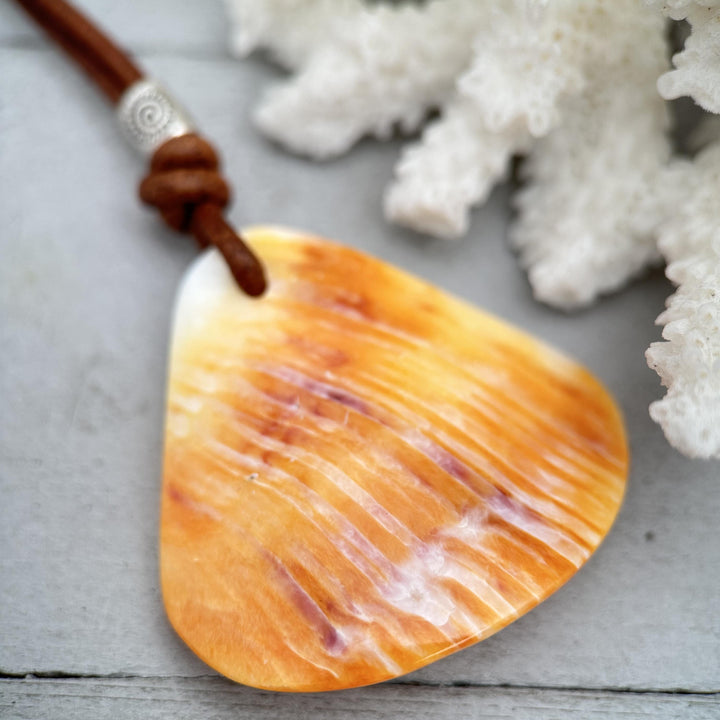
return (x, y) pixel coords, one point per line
(362, 474)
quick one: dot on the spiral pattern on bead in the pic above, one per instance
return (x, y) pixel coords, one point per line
(150, 114)
(149, 117)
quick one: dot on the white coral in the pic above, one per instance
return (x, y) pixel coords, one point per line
(589, 211)
(571, 84)
(689, 361)
(696, 70)
(580, 75)
(290, 29)
(575, 89)
(360, 70)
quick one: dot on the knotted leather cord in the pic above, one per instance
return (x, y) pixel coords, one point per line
(184, 182)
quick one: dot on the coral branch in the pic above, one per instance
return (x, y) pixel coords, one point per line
(590, 208)
(291, 30)
(696, 73)
(382, 66)
(689, 361)
(504, 99)
(454, 167)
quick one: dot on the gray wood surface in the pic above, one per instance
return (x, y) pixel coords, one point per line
(217, 699)
(87, 279)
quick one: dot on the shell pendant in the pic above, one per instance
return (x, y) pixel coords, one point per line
(364, 474)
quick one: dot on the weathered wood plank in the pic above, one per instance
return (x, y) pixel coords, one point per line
(86, 287)
(156, 699)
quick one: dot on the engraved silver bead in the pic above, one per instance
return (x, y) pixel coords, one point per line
(149, 116)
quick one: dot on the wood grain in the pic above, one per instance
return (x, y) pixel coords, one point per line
(216, 699)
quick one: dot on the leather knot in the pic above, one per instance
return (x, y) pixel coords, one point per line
(184, 174)
(185, 185)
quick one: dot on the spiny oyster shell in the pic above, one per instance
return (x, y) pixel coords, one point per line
(364, 474)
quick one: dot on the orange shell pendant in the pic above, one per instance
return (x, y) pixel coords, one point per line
(364, 474)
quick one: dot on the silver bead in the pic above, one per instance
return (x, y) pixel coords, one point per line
(149, 116)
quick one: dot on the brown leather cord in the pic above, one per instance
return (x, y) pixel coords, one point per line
(184, 182)
(102, 60)
(183, 174)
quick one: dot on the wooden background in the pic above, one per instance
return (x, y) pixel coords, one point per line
(87, 279)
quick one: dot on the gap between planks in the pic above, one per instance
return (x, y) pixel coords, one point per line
(62, 675)
(155, 698)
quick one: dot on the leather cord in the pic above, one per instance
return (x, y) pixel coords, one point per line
(110, 68)
(185, 185)
(184, 182)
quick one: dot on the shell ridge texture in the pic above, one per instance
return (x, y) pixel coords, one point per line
(364, 474)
